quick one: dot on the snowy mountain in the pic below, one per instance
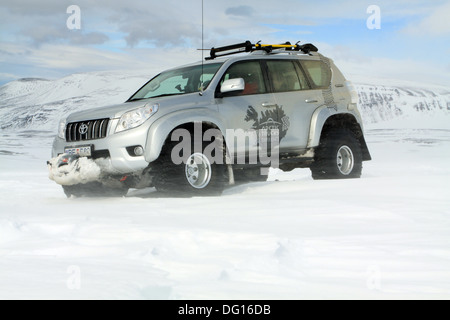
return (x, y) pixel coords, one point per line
(38, 104)
(411, 105)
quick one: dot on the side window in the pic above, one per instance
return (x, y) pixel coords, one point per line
(319, 73)
(252, 74)
(285, 77)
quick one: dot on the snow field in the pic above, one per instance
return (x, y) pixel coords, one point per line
(385, 236)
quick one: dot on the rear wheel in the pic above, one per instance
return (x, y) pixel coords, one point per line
(338, 156)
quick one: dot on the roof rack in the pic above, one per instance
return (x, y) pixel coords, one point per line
(268, 48)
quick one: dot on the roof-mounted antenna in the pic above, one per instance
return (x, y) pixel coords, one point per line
(203, 39)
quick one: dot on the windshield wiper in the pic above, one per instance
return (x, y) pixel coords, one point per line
(166, 95)
(160, 96)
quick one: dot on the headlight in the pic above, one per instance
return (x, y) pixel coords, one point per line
(136, 117)
(62, 128)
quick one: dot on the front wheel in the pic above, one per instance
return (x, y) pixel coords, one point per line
(199, 174)
(338, 156)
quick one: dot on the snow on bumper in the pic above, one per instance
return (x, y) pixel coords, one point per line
(68, 170)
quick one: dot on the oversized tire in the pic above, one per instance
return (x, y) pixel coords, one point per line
(199, 174)
(247, 175)
(94, 190)
(339, 156)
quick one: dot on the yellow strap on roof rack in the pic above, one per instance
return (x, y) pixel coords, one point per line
(276, 46)
(249, 47)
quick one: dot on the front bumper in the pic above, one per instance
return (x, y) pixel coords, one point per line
(113, 149)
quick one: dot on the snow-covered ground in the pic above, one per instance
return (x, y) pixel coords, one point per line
(385, 236)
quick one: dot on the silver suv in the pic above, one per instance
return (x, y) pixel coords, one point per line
(197, 128)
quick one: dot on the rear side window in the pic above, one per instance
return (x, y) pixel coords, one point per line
(319, 73)
(285, 76)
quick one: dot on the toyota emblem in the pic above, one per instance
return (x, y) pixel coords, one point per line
(83, 129)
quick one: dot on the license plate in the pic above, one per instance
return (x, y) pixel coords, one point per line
(84, 151)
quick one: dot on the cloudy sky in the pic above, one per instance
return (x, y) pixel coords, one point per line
(412, 44)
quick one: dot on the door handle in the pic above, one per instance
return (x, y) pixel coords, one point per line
(269, 105)
(311, 101)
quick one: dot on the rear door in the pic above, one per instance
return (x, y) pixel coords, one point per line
(296, 99)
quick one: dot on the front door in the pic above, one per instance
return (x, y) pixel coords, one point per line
(248, 111)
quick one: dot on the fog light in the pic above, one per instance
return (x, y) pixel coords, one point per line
(139, 151)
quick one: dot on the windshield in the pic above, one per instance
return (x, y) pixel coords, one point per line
(177, 82)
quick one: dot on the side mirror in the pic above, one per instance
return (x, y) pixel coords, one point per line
(232, 85)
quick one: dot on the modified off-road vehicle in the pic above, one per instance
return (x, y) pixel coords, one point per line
(197, 128)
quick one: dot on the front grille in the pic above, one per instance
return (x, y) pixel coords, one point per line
(87, 130)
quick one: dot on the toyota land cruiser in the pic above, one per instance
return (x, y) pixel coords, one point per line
(197, 128)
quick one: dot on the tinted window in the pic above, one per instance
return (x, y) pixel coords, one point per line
(319, 73)
(252, 74)
(285, 76)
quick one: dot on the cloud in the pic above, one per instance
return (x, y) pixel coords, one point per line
(67, 57)
(47, 33)
(21, 24)
(157, 24)
(4, 77)
(57, 60)
(80, 38)
(360, 68)
(158, 31)
(240, 11)
(11, 50)
(143, 33)
(37, 8)
(435, 24)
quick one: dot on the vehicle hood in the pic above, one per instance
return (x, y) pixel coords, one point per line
(167, 105)
(111, 112)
